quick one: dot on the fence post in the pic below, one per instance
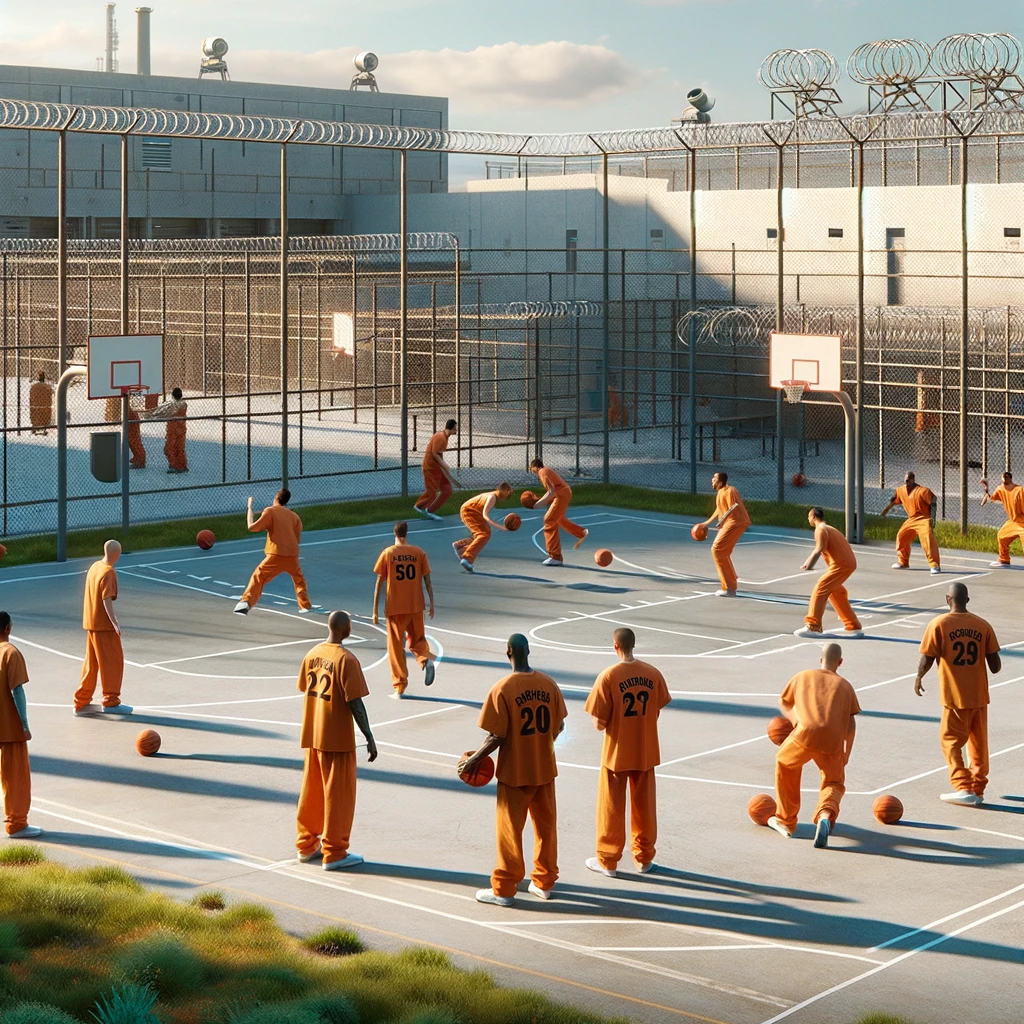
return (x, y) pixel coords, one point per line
(691, 367)
(284, 314)
(403, 316)
(964, 328)
(858, 535)
(125, 447)
(780, 322)
(62, 251)
(62, 458)
(605, 299)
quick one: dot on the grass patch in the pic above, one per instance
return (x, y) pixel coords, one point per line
(883, 1018)
(94, 945)
(209, 899)
(19, 854)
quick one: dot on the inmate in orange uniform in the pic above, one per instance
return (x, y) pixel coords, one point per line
(839, 558)
(1012, 497)
(330, 677)
(728, 534)
(40, 405)
(104, 657)
(960, 642)
(625, 702)
(15, 777)
(473, 517)
(918, 506)
(284, 529)
(175, 413)
(824, 704)
(403, 567)
(437, 488)
(526, 710)
(556, 517)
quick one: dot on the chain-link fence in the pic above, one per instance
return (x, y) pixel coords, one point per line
(630, 348)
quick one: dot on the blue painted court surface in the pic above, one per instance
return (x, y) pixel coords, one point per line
(738, 924)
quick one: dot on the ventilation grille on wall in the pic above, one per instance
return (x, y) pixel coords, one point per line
(156, 154)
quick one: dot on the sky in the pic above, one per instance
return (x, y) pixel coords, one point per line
(517, 65)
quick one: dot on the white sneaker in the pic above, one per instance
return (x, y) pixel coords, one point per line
(117, 709)
(822, 832)
(346, 862)
(725, 593)
(28, 832)
(242, 608)
(586, 534)
(646, 869)
(595, 865)
(428, 674)
(808, 633)
(434, 516)
(397, 694)
(421, 511)
(960, 796)
(490, 896)
(468, 566)
(89, 709)
(541, 894)
(305, 858)
(999, 565)
(935, 570)
(851, 634)
(898, 565)
(551, 561)
(773, 822)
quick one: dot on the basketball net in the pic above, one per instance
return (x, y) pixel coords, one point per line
(794, 390)
(136, 394)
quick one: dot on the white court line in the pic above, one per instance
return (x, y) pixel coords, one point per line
(46, 576)
(63, 654)
(715, 750)
(239, 650)
(751, 945)
(688, 693)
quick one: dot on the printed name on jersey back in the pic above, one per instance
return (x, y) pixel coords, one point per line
(403, 558)
(627, 684)
(314, 663)
(972, 634)
(531, 696)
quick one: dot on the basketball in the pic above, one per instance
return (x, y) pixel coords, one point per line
(603, 557)
(778, 729)
(147, 743)
(699, 531)
(887, 809)
(512, 522)
(205, 539)
(528, 499)
(484, 771)
(799, 480)
(3, 551)
(761, 808)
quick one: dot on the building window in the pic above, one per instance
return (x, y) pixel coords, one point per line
(773, 233)
(895, 244)
(657, 238)
(1011, 232)
(835, 232)
(156, 154)
(571, 241)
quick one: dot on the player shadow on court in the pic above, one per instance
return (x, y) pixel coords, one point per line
(204, 726)
(138, 847)
(424, 699)
(891, 842)
(476, 662)
(900, 716)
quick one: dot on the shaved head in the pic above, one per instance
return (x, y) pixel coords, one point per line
(339, 625)
(111, 551)
(831, 656)
(957, 596)
(518, 644)
(625, 639)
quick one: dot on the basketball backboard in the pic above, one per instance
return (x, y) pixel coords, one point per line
(119, 361)
(816, 359)
(344, 334)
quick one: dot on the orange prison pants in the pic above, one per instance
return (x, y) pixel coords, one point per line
(135, 440)
(174, 445)
(611, 816)
(104, 658)
(514, 803)
(271, 566)
(966, 726)
(555, 519)
(1008, 532)
(401, 627)
(922, 527)
(437, 489)
(830, 588)
(789, 764)
(469, 547)
(721, 552)
(327, 802)
(16, 781)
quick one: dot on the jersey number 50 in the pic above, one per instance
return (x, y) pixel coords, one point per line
(405, 572)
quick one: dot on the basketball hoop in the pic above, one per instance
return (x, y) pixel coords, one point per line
(127, 390)
(795, 390)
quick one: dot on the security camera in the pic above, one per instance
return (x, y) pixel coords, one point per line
(699, 108)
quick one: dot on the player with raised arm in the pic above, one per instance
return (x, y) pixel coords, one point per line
(476, 515)
(830, 544)
(1012, 497)
(733, 520)
(919, 503)
(438, 481)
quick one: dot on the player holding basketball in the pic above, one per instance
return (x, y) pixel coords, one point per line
(104, 657)
(1012, 497)
(557, 494)
(281, 551)
(438, 481)
(625, 703)
(332, 680)
(522, 715)
(174, 412)
(476, 515)
(822, 706)
(962, 643)
(919, 504)
(404, 568)
(830, 544)
(15, 774)
(733, 520)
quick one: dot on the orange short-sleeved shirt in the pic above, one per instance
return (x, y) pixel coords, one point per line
(40, 403)
(438, 443)
(284, 529)
(959, 642)
(100, 583)
(725, 498)
(918, 502)
(330, 677)
(475, 506)
(13, 673)
(526, 709)
(627, 699)
(824, 703)
(403, 566)
(551, 480)
(837, 550)
(1013, 500)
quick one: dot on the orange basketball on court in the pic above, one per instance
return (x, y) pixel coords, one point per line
(778, 729)
(484, 771)
(799, 480)
(761, 808)
(887, 809)
(699, 531)
(528, 499)
(147, 743)
(3, 551)
(512, 522)
(603, 557)
(205, 539)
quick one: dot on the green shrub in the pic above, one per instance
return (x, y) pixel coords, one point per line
(111, 876)
(270, 982)
(321, 1010)
(10, 945)
(432, 1015)
(209, 899)
(883, 1018)
(17, 854)
(127, 1004)
(36, 1013)
(163, 962)
(334, 942)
